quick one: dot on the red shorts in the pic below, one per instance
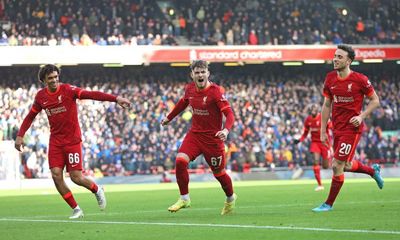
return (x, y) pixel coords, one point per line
(318, 147)
(345, 146)
(70, 156)
(212, 148)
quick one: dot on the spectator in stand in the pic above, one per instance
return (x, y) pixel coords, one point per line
(275, 22)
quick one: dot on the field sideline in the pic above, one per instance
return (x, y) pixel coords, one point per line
(265, 210)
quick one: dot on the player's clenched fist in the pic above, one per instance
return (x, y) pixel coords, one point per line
(223, 134)
(164, 122)
(19, 141)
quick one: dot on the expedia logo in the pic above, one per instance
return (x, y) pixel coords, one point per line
(378, 53)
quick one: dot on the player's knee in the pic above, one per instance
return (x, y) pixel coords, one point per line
(77, 179)
(325, 164)
(181, 163)
(348, 166)
(57, 176)
(219, 173)
(338, 168)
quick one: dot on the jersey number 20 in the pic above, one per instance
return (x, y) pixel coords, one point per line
(345, 148)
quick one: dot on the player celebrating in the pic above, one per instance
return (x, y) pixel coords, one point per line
(205, 136)
(344, 92)
(313, 124)
(65, 146)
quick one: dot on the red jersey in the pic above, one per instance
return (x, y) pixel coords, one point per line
(62, 113)
(347, 97)
(313, 125)
(207, 107)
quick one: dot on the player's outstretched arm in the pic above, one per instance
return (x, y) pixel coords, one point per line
(179, 107)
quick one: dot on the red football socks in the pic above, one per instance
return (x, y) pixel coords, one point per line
(70, 200)
(317, 174)
(182, 175)
(226, 184)
(337, 183)
(94, 188)
(358, 167)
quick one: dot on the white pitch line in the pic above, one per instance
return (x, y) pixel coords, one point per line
(206, 225)
(203, 209)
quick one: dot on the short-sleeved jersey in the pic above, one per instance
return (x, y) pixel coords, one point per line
(347, 97)
(207, 106)
(62, 113)
(313, 125)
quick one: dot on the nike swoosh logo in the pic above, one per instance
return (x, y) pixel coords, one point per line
(333, 87)
(74, 165)
(44, 103)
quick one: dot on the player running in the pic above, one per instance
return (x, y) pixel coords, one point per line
(205, 136)
(58, 100)
(313, 124)
(344, 92)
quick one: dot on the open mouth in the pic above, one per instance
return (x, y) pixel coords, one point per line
(200, 80)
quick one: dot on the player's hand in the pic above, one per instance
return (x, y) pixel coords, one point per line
(324, 138)
(356, 121)
(164, 122)
(19, 143)
(123, 102)
(223, 134)
(296, 141)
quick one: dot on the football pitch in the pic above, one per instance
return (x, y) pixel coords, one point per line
(264, 210)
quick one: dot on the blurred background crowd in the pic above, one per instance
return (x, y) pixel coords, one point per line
(270, 103)
(206, 22)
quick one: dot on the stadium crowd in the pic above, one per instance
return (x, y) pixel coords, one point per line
(210, 22)
(270, 106)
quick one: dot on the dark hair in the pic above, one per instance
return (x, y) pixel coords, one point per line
(350, 51)
(198, 64)
(46, 70)
(313, 105)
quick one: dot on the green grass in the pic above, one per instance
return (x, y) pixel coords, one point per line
(265, 210)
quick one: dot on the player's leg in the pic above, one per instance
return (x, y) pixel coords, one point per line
(188, 151)
(215, 158)
(338, 164)
(78, 178)
(316, 150)
(336, 185)
(356, 166)
(317, 171)
(56, 164)
(374, 171)
(74, 167)
(182, 179)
